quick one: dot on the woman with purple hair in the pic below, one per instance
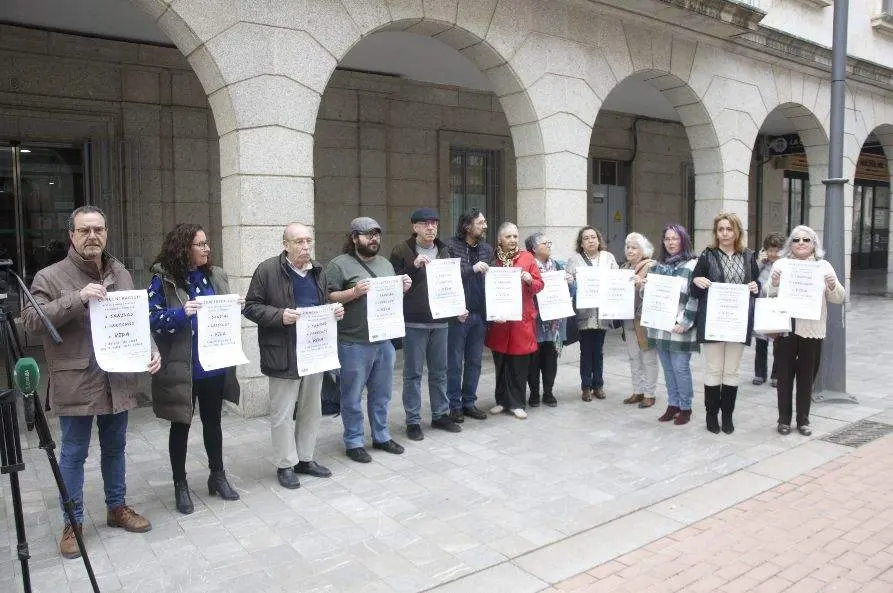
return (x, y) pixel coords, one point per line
(674, 348)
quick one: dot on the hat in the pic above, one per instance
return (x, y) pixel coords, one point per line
(423, 214)
(364, 224)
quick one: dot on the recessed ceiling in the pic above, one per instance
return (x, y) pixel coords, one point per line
(116, 19)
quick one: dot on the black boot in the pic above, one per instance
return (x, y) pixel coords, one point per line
(218, 484)
(712, 403)
(729, 394)
(182, 498)
(534, 400)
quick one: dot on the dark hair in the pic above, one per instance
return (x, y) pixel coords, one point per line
(775, 240)
(349, 246)
(88, 209)
(466, 220)
(598, 233)
(174, 255)
(685, 251)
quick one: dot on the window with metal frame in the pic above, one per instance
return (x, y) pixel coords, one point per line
(474, 183)
(795, 193)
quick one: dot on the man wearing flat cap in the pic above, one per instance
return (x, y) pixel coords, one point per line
(363, 363)
(426, 338)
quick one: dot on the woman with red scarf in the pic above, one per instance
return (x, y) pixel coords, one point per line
(513, 342)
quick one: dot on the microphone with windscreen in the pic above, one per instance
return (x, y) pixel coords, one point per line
(26, 378)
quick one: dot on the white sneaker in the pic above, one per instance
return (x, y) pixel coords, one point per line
(497, 409)
(519, 413)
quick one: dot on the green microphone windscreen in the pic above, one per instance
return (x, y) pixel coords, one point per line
(27, 375)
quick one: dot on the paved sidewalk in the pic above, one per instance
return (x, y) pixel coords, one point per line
(503, 506)
(830, 529)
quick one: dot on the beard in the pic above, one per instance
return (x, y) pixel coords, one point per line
(369, 250)
(91, 251)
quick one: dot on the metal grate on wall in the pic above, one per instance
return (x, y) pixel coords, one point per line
(859, 433)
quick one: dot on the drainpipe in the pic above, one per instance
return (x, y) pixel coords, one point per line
(831, 382)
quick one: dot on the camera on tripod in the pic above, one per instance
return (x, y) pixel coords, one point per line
(5, 267)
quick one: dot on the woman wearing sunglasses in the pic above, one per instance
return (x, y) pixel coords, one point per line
(800, 351)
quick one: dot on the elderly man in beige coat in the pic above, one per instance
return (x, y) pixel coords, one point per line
(79, 390)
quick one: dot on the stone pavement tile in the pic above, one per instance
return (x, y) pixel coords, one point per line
(502, 578)
(792, 463)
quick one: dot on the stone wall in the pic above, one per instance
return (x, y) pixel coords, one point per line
(382, 148)
(144, 111)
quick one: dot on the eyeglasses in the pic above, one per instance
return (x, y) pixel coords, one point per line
(799, 239)
(307, 242)
(371, 234)
(547, 243)
(202, 245)
(85, 231)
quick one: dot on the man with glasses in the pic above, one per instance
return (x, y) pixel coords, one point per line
(363, 363)
(78, 389)
(466, 338)
(426, 338)
(280, 287)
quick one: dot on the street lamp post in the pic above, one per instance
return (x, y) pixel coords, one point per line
(831, 382)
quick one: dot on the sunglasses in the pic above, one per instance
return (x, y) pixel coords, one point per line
(801, 239)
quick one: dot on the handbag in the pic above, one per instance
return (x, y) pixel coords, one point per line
(331, 393)
(396, 342)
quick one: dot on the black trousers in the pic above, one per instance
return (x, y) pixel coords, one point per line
(543, 362)
(208, 392)
(511, 378)
(798, 360)
(761, 359)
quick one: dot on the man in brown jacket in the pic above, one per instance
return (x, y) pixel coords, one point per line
(78, 388)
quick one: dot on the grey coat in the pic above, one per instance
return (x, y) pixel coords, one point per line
(172, 384)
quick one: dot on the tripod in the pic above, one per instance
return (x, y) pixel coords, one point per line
(10, 443)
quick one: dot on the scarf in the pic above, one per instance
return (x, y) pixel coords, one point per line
(552, 329)
(673, 260)
(507, 258)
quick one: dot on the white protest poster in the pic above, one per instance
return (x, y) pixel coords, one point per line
(502, 287)
(554, 300)
(446, 297)
(384, 308)
(119, 325)
(617, 294)
(728, 309)
(802, 287)
(660, 302)
(770, 316)
(317, 346)
(219, 332)
(588, 281)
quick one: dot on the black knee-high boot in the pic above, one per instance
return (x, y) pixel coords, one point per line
(728, 395)
(712, 403)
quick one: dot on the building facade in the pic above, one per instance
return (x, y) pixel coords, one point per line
(243, 116)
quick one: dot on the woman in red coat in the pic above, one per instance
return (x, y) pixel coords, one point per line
(513, 342)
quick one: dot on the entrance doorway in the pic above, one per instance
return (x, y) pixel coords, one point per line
(40, 184)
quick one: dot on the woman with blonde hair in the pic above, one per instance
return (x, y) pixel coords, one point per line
(726, 260)
(799, 352)
(642, 358)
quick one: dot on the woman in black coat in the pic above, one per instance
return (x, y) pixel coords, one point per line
(726, 260)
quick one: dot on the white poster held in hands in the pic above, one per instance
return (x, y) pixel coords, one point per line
(119, 325)
(617, 294)
(660, 302)
(219, 332)
(384, 308)
(770, 316)
(728, 310)
(317, 345)
(802, 287)
(502, 287)
(446, 297)
(588, 284)
(554, 300)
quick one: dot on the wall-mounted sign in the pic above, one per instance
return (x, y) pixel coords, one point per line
(786, 144)
(872, 167)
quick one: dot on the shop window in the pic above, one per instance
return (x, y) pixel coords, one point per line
(474, 183)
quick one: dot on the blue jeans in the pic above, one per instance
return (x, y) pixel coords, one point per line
(592, 358)
(420, 345)
(466, 350)
(370, 366)
(677, 375)
(76, 433)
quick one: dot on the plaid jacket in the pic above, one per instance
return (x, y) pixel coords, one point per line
(688, 310)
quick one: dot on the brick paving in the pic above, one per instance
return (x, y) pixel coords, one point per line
(827, 530)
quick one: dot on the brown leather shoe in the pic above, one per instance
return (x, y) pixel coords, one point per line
(68, 546)
(127, 519)
(647, 402)
(669, 414)
(586, 394)
(634, 398)
(599, 393)
(682, 417)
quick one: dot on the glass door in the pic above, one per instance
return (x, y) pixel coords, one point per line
(40, 185)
